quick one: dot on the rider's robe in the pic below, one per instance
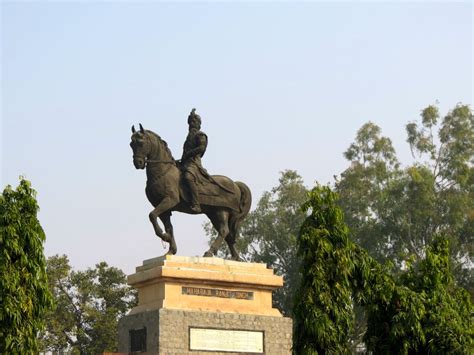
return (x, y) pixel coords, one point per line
(193, 150)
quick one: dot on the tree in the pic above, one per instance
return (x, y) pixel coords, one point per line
(24, 294)
(88, 306)
(397, 212)
(269, 232)
(60, 320)
(445, 309)
(419, 310)
(362, 187)
(450, 174)
(323, 311)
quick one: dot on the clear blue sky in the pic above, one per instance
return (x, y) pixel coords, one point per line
(278, 85)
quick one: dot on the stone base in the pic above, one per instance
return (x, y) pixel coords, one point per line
(197, 305)
(205, 284)
(170, 331)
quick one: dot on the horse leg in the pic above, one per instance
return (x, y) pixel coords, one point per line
(230, 240)
(166, 204)
(220, 222)
(166, 219)
(234, 224)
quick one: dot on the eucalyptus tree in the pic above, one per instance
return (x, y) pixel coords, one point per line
(395, 212)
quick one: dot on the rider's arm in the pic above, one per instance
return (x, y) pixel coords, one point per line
(200, 148)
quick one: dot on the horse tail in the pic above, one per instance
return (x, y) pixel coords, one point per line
(244, 207)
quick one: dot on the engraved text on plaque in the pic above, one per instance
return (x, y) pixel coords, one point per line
(215, 292)
(226, 340)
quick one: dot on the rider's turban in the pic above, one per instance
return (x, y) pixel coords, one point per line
(195, 115)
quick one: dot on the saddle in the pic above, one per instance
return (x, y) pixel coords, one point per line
(214, 190)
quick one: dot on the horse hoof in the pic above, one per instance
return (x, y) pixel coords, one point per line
(208, 254)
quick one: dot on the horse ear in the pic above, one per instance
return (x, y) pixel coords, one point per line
(133, 129)
(141, 128)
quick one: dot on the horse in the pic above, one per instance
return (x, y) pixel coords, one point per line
(225, 202)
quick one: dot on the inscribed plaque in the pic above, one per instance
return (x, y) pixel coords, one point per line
(226, 340)
(215, 292)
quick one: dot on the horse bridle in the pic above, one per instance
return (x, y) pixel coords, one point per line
(154, 160)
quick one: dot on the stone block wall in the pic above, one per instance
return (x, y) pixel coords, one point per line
(167, 330)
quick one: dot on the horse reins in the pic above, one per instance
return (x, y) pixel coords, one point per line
(158, 161)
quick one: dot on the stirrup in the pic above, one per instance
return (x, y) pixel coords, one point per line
(196, 208)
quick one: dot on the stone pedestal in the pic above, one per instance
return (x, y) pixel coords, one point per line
(197, 305)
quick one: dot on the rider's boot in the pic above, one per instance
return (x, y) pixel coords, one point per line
(194, 204)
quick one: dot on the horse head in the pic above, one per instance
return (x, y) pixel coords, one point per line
(141, 146)
(148, 147)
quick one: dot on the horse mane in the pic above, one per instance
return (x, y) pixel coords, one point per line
(162, 141)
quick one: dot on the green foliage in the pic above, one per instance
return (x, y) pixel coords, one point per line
(269, 233)
(363, 185)
(323, 311)
(394, 311)
(396, 212)
(447, 323)
(419, 310)
(24, 294)
(88, 306)
(423, 312)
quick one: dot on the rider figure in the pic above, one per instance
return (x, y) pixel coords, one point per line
(193, 149)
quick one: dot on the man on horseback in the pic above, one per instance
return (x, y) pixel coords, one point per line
(193, 149)
(224, 201)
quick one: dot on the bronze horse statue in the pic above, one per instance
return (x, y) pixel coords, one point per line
(223, 201)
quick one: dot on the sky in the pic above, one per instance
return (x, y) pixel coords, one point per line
(278, 85)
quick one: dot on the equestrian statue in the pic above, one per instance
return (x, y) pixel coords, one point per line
(185, 186)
